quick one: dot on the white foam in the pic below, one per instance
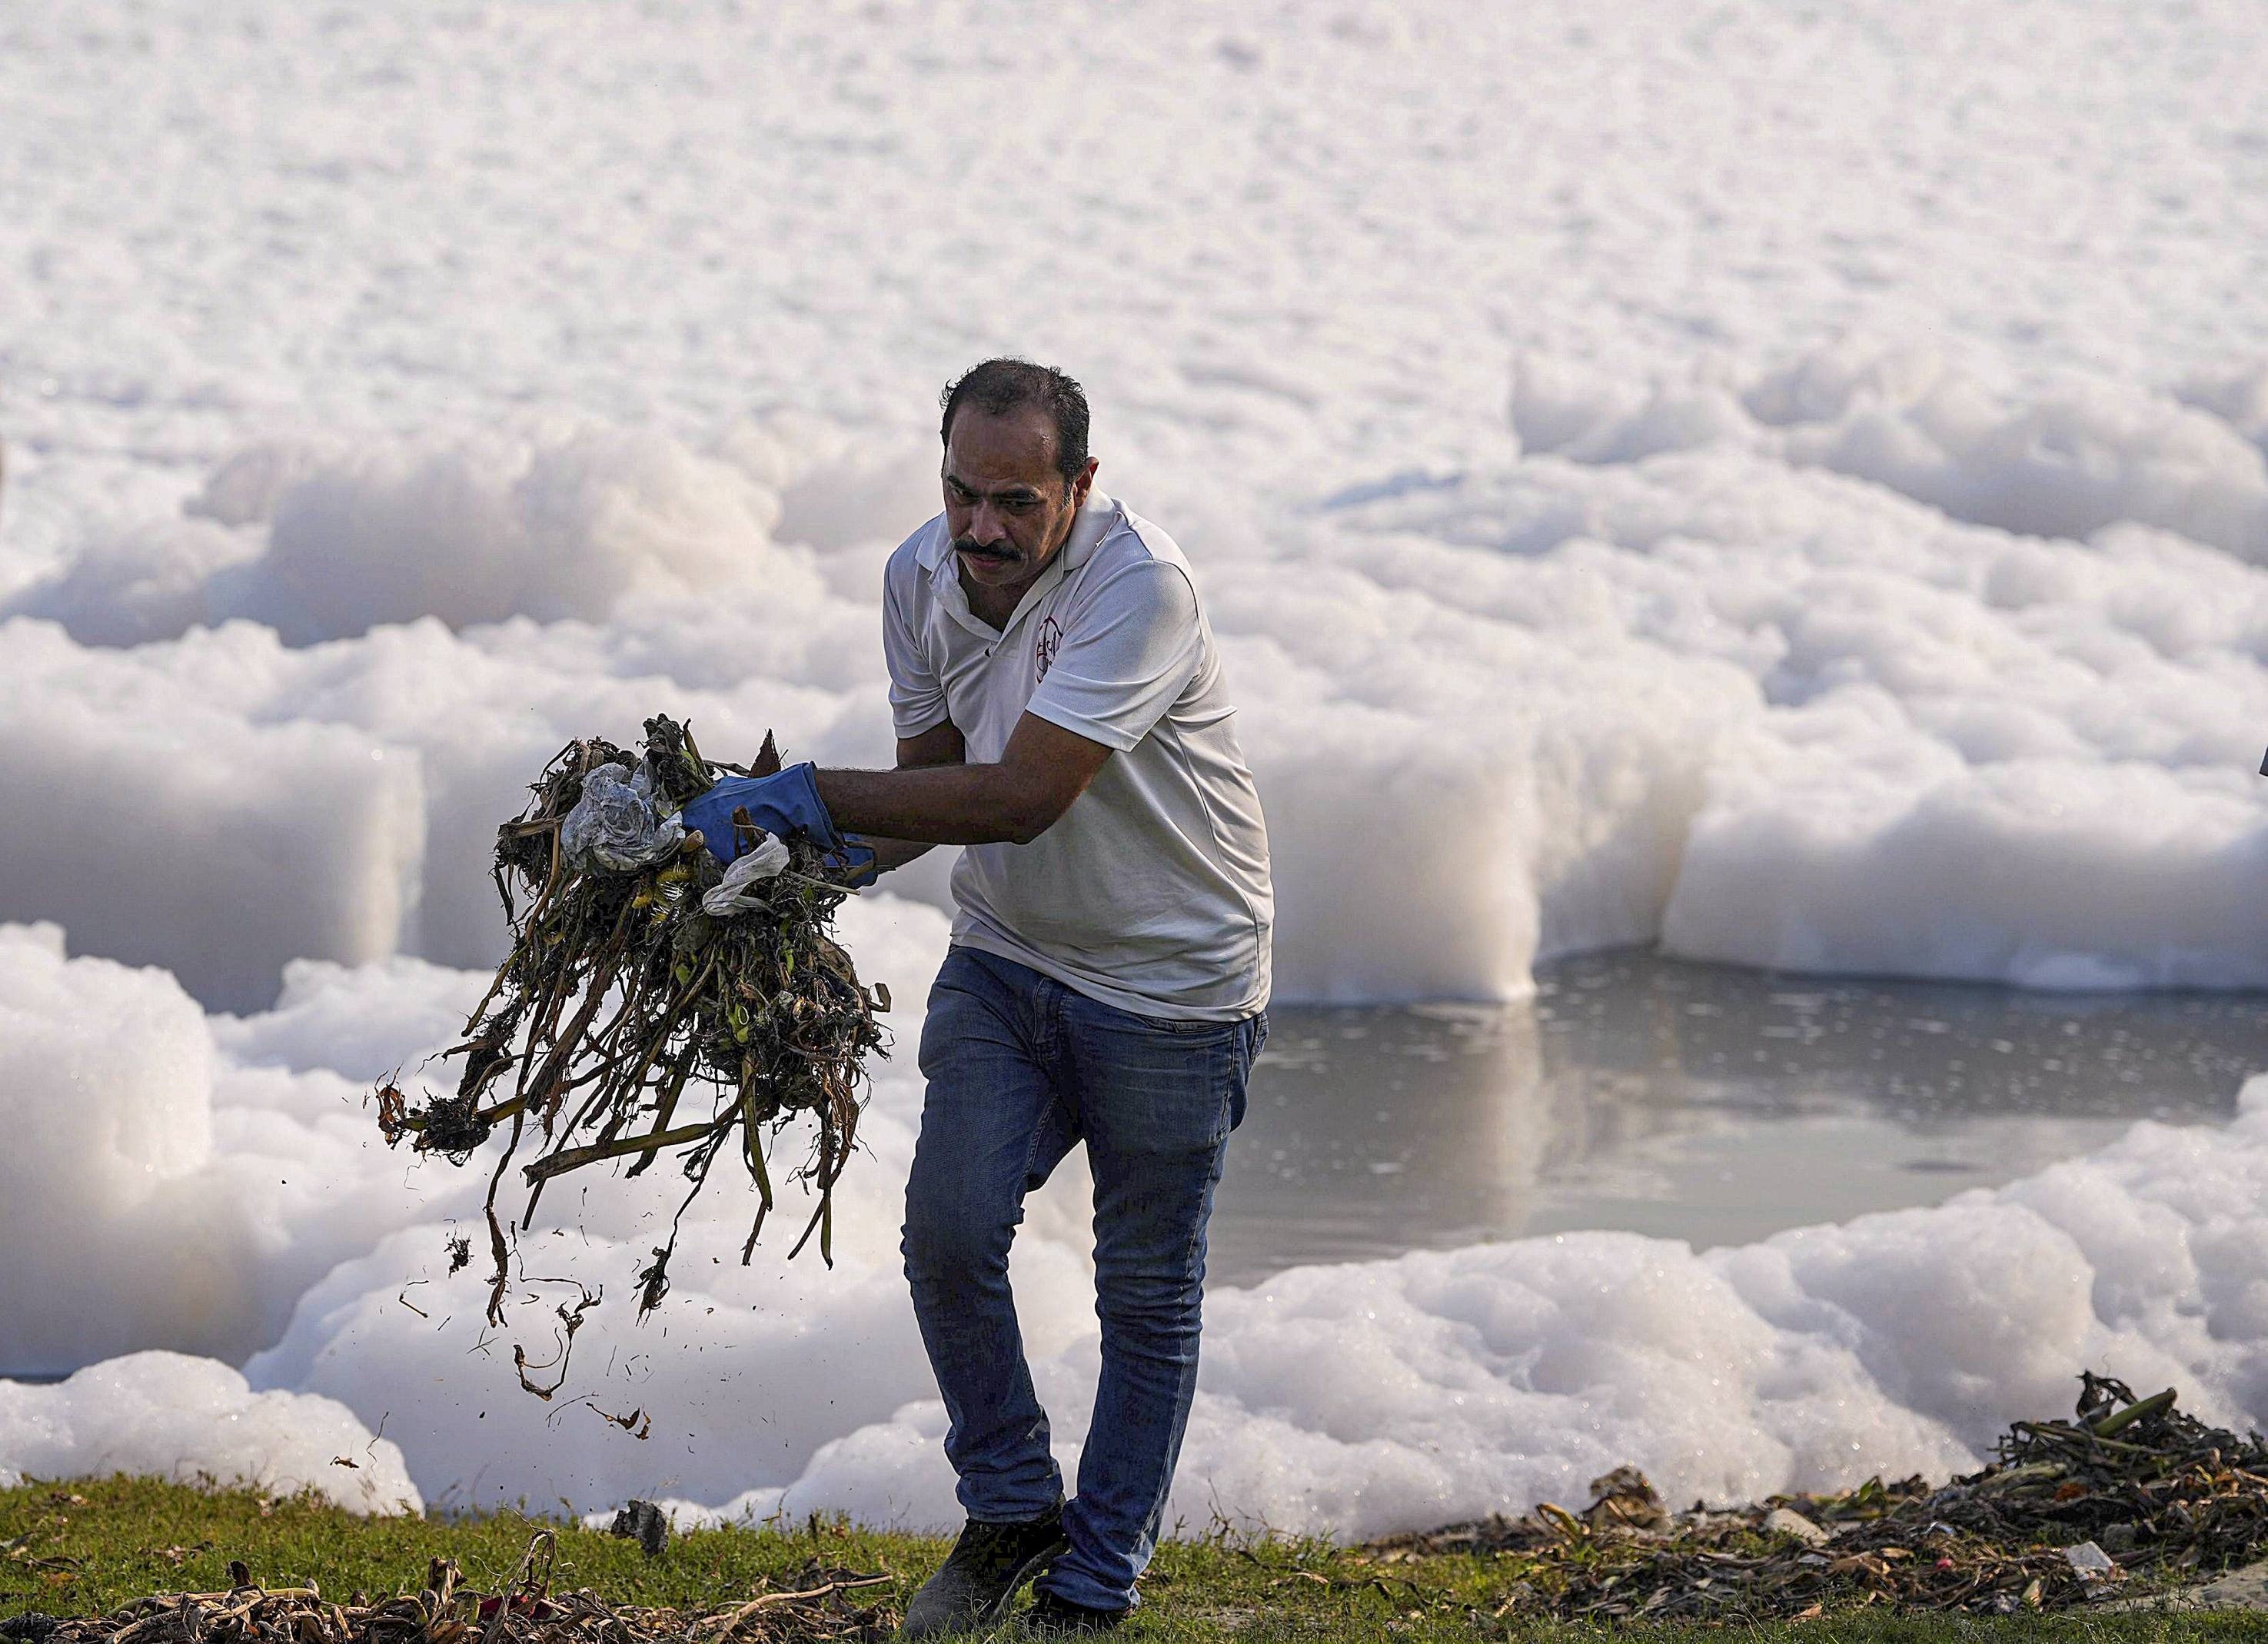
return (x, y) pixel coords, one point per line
(1965, 753)
(469, 531)
(163, 826)
(1692, 687)
(105, 1075)
(1714, 696)
(169, 1416)
(360, 1022)
(153, 1194)
(2064, 464)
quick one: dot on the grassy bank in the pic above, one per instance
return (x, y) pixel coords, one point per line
(87, 1547)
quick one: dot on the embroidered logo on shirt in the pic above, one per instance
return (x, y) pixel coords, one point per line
(1044, 648)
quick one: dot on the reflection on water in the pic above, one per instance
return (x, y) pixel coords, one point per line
(1693, 1102)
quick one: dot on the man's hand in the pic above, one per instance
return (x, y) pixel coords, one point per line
(785, 805)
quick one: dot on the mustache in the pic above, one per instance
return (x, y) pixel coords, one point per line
(986, 550)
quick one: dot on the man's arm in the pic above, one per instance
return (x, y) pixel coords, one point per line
(942, 744)
(941, 799)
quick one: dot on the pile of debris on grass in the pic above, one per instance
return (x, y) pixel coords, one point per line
(654, 1001)
(2130, 1494)
(818, 1603)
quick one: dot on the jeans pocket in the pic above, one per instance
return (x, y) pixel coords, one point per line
(1189, 1027)
(1185, 1029)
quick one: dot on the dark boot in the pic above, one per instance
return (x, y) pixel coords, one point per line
(987, 1565)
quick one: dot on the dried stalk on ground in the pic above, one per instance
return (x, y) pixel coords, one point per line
(628, 1022)
(822, 1603)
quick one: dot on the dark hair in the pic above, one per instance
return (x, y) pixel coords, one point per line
(998, 386)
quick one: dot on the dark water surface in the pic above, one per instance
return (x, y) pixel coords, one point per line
(1693, 1102)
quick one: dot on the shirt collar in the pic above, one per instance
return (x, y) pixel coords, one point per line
(936, 548)
(1093, 525)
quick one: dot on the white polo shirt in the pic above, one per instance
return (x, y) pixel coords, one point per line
(1150, 893)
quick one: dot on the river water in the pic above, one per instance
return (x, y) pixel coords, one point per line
(1701, 1103)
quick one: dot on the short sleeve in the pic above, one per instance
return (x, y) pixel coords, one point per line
(916, 695)
(1126, 658)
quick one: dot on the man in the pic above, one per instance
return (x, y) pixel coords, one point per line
(1061, 714)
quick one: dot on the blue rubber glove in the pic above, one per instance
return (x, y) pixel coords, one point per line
(785, 805)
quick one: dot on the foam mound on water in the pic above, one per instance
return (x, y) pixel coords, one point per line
(155, 1193)
(1720, 592)
(320, 545)
(1962, 752)
(1699, 689)
(2064, 464)
(168, 1416)
(358, 1020)
(163, 824)
(741, 1374)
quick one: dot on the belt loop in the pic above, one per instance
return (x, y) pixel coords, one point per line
(1058, 997)
(1040, 1000)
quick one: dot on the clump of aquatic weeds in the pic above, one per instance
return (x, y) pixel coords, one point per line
(630, 1023)
(2131, 1494)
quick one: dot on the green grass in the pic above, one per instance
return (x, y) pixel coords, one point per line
(83, 1548)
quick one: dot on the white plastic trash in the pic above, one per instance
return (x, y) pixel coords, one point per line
(2090, 1562)
(1785, 1521)
(737, 892)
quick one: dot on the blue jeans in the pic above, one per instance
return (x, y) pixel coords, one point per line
(1022, 1068)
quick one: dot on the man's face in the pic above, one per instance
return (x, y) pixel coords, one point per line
(1006, 504)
